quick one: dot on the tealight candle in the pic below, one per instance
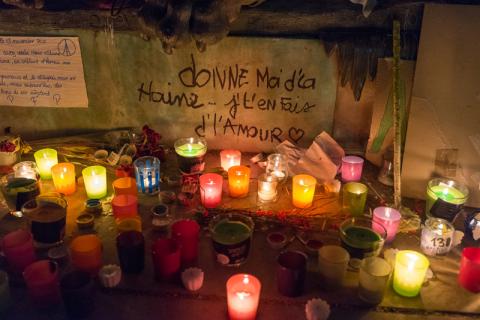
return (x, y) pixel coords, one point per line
(303, 189)
(354, 198)
(26, 169)
(445, 198)
(277, 166)
(95, 180)
(267, 188)
(46, 159)
(238, 181)
(409, 272)
(243, 295)
(352, 167)
(63, 175)
(389, 218)
(230, 158)
(191, 154)
(211, 189)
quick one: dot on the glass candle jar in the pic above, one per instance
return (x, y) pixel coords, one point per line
(352, 167)
(46, 159)
(147, 173)
(125, 185)
(63, 175)
(238, 181)
(267, 188)
(333, 263)
(95, 181)
(243, 295)
(303, 190)
(437, 237)
(86, 253)
(191, 154)
(231, 238)
(230, 158)
(360, 239)
(354, 198)
(277, 166)
(373, 279)
(445, 198)
(26, 169)
(469, 275)
(409, 272)
(389, 218)
(17, 191)
(211, 189)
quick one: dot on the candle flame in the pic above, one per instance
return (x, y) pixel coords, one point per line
(242, 295)
(412, 260)
(189, 147)
(246, 280)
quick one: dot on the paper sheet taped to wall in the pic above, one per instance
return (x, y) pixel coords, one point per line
(41, 72)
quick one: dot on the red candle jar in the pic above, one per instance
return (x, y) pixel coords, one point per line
(166, 258)
(186, 233)
(469, 276)
(42, 282)
(243, 295)
(124, 205)
(18, 249)
(211, 189)
(125, 185)
(86, 253)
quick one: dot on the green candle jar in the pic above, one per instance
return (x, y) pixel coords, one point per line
(191, 154)
(445, 198)
(354, 198)
(362, 237)
(231, 238)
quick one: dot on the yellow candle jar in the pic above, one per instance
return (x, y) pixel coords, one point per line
(409, 273)
(63, 175)
(95, 180)
(46, 159)
(238, 181)
(303, 189)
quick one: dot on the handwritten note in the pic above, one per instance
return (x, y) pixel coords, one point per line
(41, 72)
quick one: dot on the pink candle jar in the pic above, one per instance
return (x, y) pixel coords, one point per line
(389, 218)
(18, 249)
(243, 295)
(211, 189)
(42, 282)
(124, 205)
(469, 276)
(230, 158)
(352, 167)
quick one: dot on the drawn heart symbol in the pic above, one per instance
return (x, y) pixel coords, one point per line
(295, 134)
(34, 99)
(56, 98)
(10, 98)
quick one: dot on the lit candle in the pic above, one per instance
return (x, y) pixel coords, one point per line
(45, 159)
(389, 218)
(450, 194)
(352, 167)
(354, 198)
(303, 186)
(409, 272)
(147, 173)
(191, 154)
(63, 175)
(230, 158)
(243, 295)
(277, 166)
(238, 181)
(95, 180)
(211, 189)
(26, 169)
(437, 236)
(267, 188)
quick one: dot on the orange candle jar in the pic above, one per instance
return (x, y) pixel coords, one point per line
(238, 181)
(303, 189)
(63, 175)
(86, 253)
(125, 185)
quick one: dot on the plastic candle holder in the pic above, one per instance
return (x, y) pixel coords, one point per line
(166, 258)
(18, 250)
(27, 170)
(445, 198)
(362, 237)
(191, 154)
(42, 282)
(86, 253)
(124, 205)
(211, 189)
(352, 167)
(469, 276)
(46, 159)
(354, 198)
(238, 181)
(132, 223)
(437, 237)
(147, 174)
(373, 279)
(267, 188)
(95, 180)
(277, 166)
(333, 263)
(230, 158)
(125, 185)
(409, 272)
(63, 175)
(303, 186)
(186, 233)
(389, 218)
(243, 295)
